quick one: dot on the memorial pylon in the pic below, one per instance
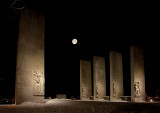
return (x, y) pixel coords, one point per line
(85, 79)
(99, 77)
(116, 75)
(137, 74)
(30, 78)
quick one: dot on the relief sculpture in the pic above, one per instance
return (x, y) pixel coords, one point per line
(97, 94)
(38, 88)
(137, 89)
(83, 92)
(114, 91)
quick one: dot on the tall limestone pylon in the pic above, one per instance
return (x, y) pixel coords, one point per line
(99, 74)
(116, 75)
(85, 79)
(30, 79)
(137, 74)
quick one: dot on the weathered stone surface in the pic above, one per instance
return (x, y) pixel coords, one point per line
(85, 79)
(116, 76)
(30, 58)
(99, 77)
(137, 74)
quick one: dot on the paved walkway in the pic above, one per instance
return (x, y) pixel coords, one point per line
(76, 106)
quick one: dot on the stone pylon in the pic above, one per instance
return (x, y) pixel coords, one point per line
(137, 74)
(116, 75)
(99, 77)
(85, 79)
(30, 79)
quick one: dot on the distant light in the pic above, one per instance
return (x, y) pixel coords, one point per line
(151, 100)
(74, 41)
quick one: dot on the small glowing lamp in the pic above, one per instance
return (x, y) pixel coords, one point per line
(151, 100)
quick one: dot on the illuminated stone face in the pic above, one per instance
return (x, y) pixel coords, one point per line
(30, 58)
(99, 77)
(137, 74)
(85, 79)
(116, 75)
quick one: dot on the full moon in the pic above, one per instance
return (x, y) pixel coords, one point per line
(74, 41)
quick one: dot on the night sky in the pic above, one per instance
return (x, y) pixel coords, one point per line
(99, 29)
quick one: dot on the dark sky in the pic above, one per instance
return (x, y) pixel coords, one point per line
(99, 28)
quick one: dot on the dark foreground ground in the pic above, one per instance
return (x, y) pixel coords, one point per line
(76, 106)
